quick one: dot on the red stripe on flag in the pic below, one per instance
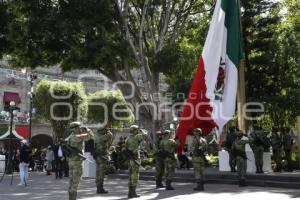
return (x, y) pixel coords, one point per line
(199, 108)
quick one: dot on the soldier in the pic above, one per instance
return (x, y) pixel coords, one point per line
(230, 138)
(199, 148)
(287, 147)
(103, 141)
(76, 141)
(257, 145)
(277, 141)
(168, 147)
(238, 150)
(159, 161)
(133, 154)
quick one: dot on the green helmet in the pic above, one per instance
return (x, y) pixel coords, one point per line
(75, 124)
(197, 131)
(134, 129)
(167, 132)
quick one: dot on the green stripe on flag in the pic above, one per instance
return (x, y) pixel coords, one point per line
(232, 23)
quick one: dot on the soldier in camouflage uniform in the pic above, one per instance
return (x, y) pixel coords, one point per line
(159, 161)
(257, 145)
(230, 138)
(239, 152)
(168, 147)
(199, 148)
(103, 141)
(133, 153)
(287, 147)
(76, 140)
(277, 142)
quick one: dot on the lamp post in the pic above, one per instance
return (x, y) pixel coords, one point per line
(32, 78)
(12, 108)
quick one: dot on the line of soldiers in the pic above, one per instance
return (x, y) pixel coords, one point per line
(166, 161)
(164, 155)
(260, 143)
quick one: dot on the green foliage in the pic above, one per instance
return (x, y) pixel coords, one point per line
(5, 19)
(61, 100)
(116, 106)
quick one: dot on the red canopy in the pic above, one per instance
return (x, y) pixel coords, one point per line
(23, 131)
(11, 96)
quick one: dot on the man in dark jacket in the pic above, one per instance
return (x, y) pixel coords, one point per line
(24, 155)
(59, 157)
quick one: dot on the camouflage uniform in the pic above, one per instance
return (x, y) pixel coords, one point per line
(76, 140)
(230, 138)
(199, 148)
(168, 147)
(132, 146)
(287, 146)
(103, 140)
(159, 161)
(277, 141)
(257, 145)
(238, 148)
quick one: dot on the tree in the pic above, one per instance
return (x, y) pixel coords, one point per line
(60, 103)
(5, 19)
(111, 36)
(109, 106)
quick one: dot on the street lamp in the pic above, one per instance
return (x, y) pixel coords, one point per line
(32, 78)
(12, 109)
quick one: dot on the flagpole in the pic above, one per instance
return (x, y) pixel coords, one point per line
(241, 94)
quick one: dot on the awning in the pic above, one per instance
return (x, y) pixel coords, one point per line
(11, 96)
(23, 131)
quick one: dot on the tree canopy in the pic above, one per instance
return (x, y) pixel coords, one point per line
(60, 103)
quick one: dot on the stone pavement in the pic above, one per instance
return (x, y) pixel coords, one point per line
(42, 187)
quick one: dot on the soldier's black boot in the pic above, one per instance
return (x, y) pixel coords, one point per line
(168, 185)
(132, 192)
(72, 195)
(199, 187)
(242, 183)
(100, 189)
(159, 184)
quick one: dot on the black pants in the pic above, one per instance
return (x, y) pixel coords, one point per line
(59, 167)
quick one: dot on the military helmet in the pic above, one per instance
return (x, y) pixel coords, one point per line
(158, 133)
(167, 132)
(134, 129)
(75, 124)
(197, 131)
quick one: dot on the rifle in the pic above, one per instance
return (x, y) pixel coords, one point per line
(130, 155)
(73, 151)
(100, 154)
(236, 152)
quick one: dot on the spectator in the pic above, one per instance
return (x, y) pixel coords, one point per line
(60, 157)
(49, 159)
(24, 155)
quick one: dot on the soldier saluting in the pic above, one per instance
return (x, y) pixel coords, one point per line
(103, 141)
(168, 147)
(132, 152)
(76, 143)
(239, 152)
(199, 148)
(159, 160)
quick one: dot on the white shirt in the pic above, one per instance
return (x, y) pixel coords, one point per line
(60, 153)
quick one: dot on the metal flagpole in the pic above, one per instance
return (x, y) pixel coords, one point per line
(241, 95)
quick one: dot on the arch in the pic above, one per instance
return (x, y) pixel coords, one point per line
(41, 141)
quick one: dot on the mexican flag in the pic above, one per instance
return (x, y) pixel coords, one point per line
(212, 98)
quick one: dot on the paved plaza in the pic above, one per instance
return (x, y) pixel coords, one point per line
(42, 187)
